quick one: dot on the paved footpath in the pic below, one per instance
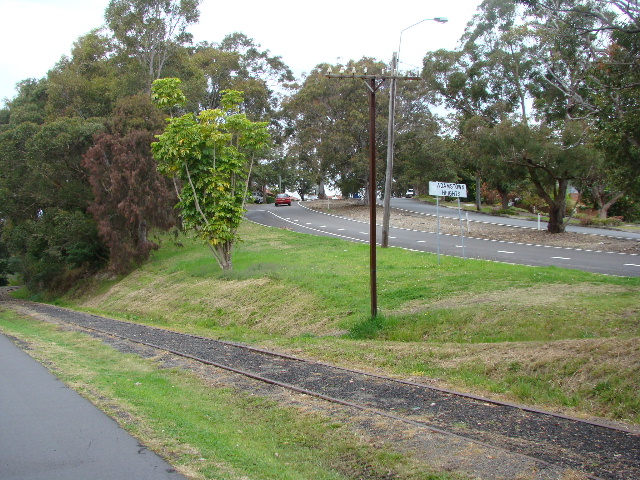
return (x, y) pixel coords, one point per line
(49, 432)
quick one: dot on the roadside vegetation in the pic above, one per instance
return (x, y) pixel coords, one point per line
(555, 338)
(209, 431)
(558, 339)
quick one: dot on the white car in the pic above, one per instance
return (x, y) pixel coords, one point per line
(410, 193)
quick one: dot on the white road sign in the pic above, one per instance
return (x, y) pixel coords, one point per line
(444, 189)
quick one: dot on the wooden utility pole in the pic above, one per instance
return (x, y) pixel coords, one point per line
(373, 82)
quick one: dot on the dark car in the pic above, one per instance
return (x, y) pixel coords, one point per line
(283, 199)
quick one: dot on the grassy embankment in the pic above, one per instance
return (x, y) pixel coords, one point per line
(554, 338)
(547, 336)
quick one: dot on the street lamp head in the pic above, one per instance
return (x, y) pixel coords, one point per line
(435, 19)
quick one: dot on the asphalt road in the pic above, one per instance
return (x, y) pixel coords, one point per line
(301, 219)
(429, 209)
(49, 432)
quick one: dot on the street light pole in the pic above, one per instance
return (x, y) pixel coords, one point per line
(435, 19)
(391, 136)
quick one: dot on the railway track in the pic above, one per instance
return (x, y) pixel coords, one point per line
(601, 451)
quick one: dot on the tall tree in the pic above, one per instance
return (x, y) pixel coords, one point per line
(608, 34)
(331, 125)
(485, 82)
(210, 154)
(514, 57)
(151, 30)
(86, 84)
(130, 196)
(497, 171)
(239, 63)
(18, 197)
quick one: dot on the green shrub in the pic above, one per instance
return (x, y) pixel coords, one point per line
(586, 220)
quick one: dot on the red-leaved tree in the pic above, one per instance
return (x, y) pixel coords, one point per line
(130, 196)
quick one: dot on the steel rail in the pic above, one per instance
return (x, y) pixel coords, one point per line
(47, 309)
(311, 393)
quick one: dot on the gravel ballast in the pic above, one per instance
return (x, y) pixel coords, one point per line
(555, 442)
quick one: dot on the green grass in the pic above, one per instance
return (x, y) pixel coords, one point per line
(466, 323)
(282, 269)
(207, 431)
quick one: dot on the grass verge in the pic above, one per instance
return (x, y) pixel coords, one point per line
(208, 432)
(555, 338)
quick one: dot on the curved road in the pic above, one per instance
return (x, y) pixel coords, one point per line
(301, 219)
(422, 208)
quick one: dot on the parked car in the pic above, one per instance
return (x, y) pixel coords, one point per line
(410, 193)
(258, 198)
(283, 199)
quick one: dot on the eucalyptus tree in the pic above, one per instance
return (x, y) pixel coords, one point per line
(498, 171)
(331, 125)
(151, 30)
(608, 34)
(484, 82)
(515, 57)
(87, 83)
(239, 63)
(489, 75)
(568, 60)
(29, 105)
(421, 150)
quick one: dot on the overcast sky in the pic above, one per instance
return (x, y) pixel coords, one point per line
(36, 33)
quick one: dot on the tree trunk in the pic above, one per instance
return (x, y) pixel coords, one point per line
(367, 193)
(504, 200)
(223, 256)
(142, 232)
(556, 217)
(557, 200)
(222, 253)
(603, 205)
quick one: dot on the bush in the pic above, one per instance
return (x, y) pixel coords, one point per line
(507, 211)
(587, 221)
(46, 250)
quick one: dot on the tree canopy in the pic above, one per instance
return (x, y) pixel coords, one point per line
(540, 98)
